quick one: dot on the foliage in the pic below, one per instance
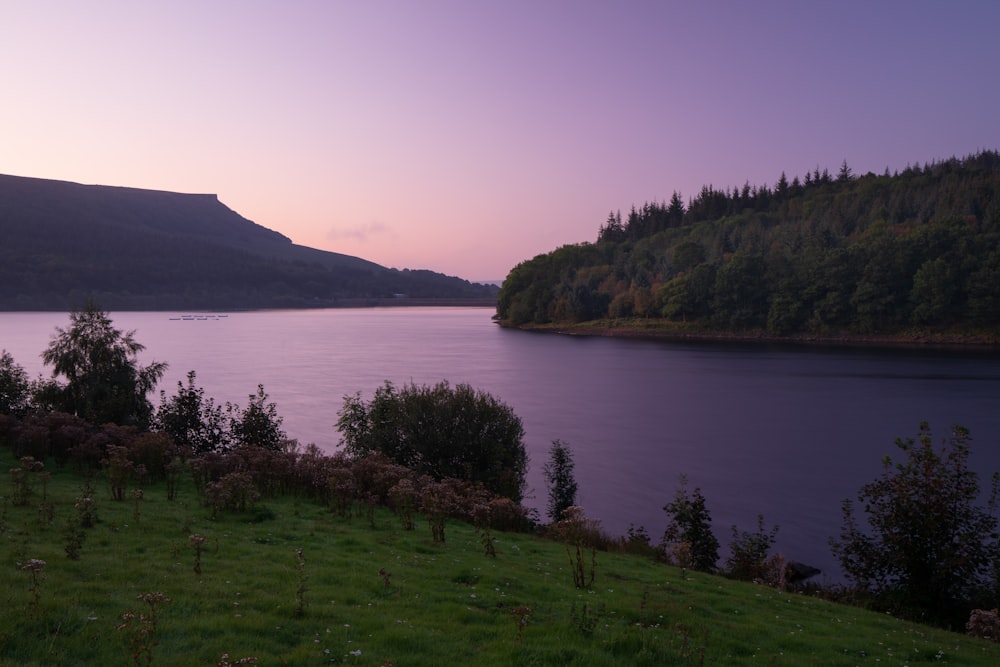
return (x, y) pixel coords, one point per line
(118, 468)
(104, 381)
(447, 603)
(929, 549)
(191, 420)
(853, 253)
(258, 424)
(201, 426)
(34, 568)
(440, 431)
(234, 492)
(580, 535)
(138, 629)
(985, 624)
(15, 388)
(558, 473)
(690, 529)
(438, 501)
(749, 558)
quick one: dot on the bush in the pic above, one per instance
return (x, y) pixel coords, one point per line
(259, 424)
(196, 422)
(442, 432)
(192, 420)
(233, 492)
(985, 624)
(689, 537)
(748, 558)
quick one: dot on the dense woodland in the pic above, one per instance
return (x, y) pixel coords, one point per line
(822, 255)
(65, 244)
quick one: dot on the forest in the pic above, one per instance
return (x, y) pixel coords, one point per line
(824, 255)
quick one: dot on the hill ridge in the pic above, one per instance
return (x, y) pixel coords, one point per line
(134, 248)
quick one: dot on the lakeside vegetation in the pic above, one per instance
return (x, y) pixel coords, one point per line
(910, 255)
(372, 593)
(132, 511)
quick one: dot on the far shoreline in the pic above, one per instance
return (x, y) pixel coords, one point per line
(972, 342)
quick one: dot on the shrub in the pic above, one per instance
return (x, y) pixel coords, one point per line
(637, 541)
(31, 438)
(153, 451)
(748, 559)
(192, 420)
(234, 492)
(258, 424)
(438, 500)
(579, 534)
(403, 499)
(440, 431)
(119, 470)
(690, 530)
(985, 624)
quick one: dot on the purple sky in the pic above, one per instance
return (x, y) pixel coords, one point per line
(465, 137)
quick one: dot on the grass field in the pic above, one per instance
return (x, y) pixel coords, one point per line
(293, 583)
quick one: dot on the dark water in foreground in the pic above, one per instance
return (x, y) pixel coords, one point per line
(783, 431)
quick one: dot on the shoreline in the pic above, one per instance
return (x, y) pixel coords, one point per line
(988, 343)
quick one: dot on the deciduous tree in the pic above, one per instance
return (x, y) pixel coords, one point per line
(15, 388)
(258, 424)
(104, 380)
(690, 528)
(192, 420)
(929, 548)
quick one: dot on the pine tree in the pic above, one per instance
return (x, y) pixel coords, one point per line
(558, 472)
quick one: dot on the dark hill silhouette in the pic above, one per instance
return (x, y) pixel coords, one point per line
(127, 248)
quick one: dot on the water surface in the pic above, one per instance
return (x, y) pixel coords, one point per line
(781, 430)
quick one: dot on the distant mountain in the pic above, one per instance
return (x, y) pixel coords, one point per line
(125, 248)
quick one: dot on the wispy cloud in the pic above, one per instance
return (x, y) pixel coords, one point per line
(362, 232)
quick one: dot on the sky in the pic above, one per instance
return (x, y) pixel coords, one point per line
(465, 137)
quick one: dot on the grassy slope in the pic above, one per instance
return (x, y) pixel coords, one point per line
(441, 604)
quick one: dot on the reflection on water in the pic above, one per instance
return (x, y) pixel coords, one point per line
(783, 431)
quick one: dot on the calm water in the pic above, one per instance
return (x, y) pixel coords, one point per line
(784, 431)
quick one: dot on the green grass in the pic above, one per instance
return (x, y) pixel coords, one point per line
(446, 604)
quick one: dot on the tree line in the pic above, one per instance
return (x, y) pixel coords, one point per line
(918, 249)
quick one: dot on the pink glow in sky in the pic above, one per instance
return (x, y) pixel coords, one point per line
(465, 137)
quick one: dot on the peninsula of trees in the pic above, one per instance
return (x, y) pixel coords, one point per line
(65, 244)
(914, 254)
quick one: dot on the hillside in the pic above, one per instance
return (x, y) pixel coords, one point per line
(128, 248)
(914, 254)
(165, 580)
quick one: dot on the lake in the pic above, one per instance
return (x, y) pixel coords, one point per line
(786, 431)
